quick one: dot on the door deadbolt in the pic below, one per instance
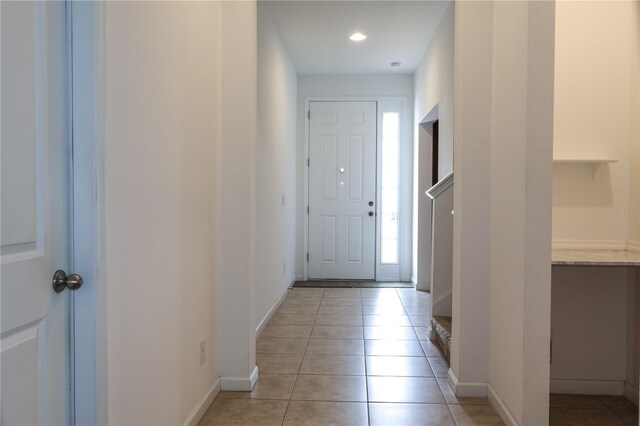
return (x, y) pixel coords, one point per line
(61, 281)
(370, 203)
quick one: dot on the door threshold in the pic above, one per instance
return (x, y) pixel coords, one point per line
(352, 284)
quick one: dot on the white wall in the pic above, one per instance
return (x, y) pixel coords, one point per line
(433, 84)
(399, 85)
(521, 192)
(596, 114)
(161, 140)
(276, 167)
(502, 198)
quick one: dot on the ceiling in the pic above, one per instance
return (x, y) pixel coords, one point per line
(316, 34)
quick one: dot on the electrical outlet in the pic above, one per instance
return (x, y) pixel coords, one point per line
(203, 351)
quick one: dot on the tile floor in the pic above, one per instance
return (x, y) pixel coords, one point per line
(361, 356)
(350, 356)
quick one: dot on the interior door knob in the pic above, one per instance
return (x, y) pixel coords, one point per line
(61, 281)
(370, 213)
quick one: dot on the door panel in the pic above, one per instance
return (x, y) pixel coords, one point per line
(34, 343)
(342, 181)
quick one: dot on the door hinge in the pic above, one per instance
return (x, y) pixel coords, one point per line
(307, 257)
(307, 209)
(309, 114)
(308, 162)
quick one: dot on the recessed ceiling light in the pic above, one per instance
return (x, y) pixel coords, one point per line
(357, 37)
(395, 64)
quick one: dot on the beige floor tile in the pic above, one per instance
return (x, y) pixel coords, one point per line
(583, 417)
(302, 300)
(391, 309)
(339, 320)
(453, 399)
(314, 413)
(269, 386)
(397, 320)
(398, 366)
(410, 293)
(393, 347)
(379, 292)
(297, 319)
(267, 345)
(623, 407)
(420, 320)
(244, 412)
(279, 363)
(304, 291)
(422, 332)
(289, 331)
(350, 365)
(337, 332)
(475, 415)
(388, 414)
(298, 309)
(330, 388)
(419, 302)
(418, 310)
(404, 389)
(374, 332)
(341, 301)
(336, 346)
(575, 401)
(342, 292)
(384, 300)
(340, 310)
(439, 366)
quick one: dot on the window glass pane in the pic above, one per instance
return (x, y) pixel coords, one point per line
(390, 187)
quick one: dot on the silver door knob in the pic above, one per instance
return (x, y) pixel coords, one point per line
(61, 280)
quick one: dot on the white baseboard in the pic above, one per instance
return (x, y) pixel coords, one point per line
(589, 244)
(633, 246)
(588, 387)
(500, 406)
(239, 383)
(272, 311)
(631, 393)
(466, 389)
(198, 411)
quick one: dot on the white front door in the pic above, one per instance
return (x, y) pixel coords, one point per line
(35, 217)
(342, 190)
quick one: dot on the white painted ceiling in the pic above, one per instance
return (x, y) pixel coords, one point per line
(316, 34)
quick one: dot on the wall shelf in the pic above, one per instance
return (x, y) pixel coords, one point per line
(596, 163)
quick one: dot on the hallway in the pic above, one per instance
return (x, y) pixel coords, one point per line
(352, 356)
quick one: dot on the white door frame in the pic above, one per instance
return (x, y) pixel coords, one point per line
(88, 336)
(405, 178)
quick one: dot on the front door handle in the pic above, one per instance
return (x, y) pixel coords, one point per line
(61, 280)
(370, 214)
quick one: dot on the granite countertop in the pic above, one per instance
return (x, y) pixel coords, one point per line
(595, 257)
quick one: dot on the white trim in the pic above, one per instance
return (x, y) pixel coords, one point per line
(239, 383)
(588, 387)
(272, 311)
(466, 389)
(500, 406)
(633, 246)
(589, 244)
(631, 393)
(198, 411)
(437, 189)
